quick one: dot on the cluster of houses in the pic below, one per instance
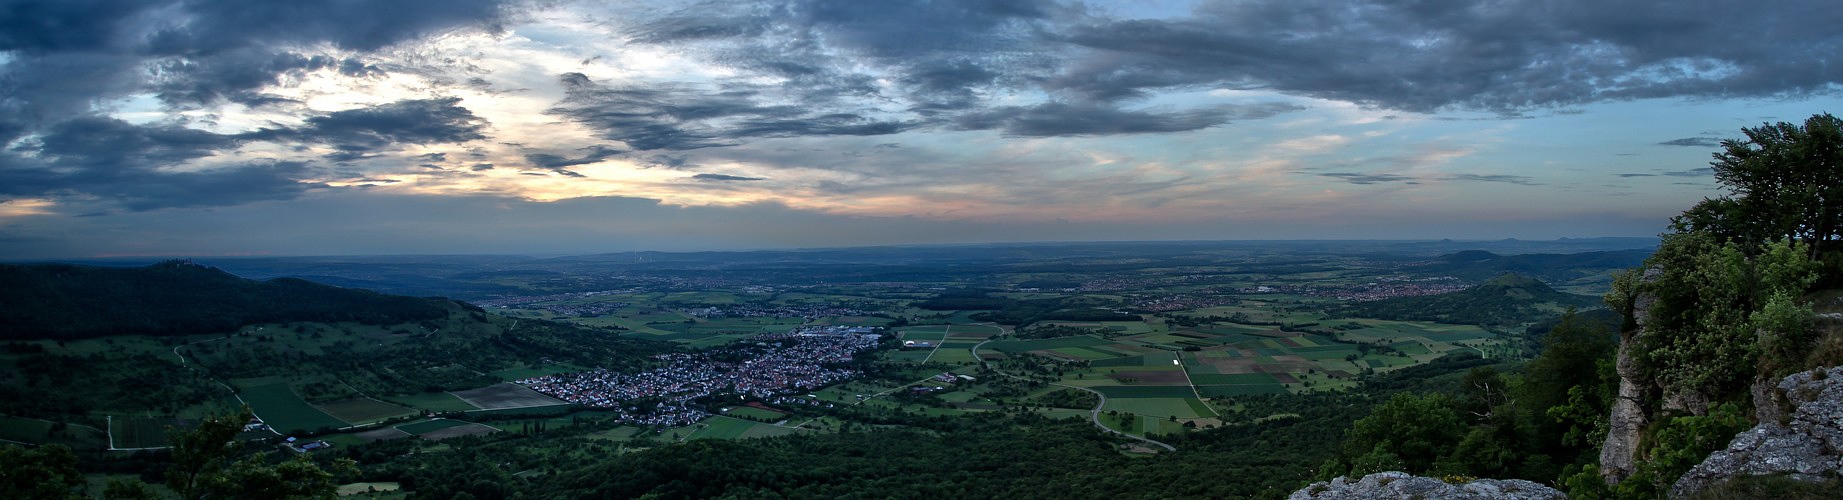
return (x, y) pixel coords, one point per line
(770, 367)
(1385, 288)
(757, 311)
(304, 446)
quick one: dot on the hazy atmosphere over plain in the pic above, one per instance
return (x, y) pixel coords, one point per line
(211, 127)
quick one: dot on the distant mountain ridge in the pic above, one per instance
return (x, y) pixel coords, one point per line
(1505, 301)
(56, 301)
(1482, 264)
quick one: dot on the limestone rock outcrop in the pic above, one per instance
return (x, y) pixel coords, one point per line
(1404, 485)
(1619, 453)
(1806, 443)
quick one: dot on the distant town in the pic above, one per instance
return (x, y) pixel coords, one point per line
(773, 367)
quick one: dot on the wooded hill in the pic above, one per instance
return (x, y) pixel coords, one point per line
(61, 301)
(1509, 300)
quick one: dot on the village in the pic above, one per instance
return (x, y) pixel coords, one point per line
(809, 311)
(768, 367)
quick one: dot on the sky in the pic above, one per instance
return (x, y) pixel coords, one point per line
(356, 127)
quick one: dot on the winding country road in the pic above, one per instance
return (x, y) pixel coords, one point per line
(1093, 415)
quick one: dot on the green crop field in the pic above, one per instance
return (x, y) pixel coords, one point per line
(1231, 379)
(428, 426)
(140, 432)
(757, 413)
(721, 427)
(1162, 407)
(1084, 353)
(35, 431)
(1144, 391)
(556, 409)
(432, 401)
(1220, 391)
(363, 410)
(1016, 346)
(284, 411)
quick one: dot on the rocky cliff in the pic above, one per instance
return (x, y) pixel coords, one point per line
(1404, 485)
(1804, 442)
(1619, 452)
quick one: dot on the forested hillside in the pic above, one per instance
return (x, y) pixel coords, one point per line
(59, 301)
(1507, 301)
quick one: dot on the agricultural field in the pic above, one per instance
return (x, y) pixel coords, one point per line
(141, 432)
(36, 431)
(382, 434)
(357, 411)
(433, 402)
(756, 413)
(285, 411)
(722, 427)
(505, 396)
(470, 429)
(439, 429)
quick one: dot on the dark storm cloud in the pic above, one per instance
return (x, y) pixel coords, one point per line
(1700, 142)
(1419, 56)
(830, 124)
(121, 163)
(672, 162)
(594, 154)
(96, 144)
(666, 117)
(138, 188)
(348, 24)
(1503, 56)
(1066, 119)
(132, 166)
(358, 131)
(65, 56)
(65, 25)
(235, 75)
(934, 58)
(199, 51)
(724, 178)
(260, 181)
(690, 28)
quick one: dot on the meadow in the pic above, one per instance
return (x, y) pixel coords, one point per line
(283, 410)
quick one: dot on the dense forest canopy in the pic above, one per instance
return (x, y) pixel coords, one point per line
(178, 298)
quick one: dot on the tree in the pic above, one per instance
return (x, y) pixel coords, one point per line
(42, 472)
(1782, 179)
(202, 466)
(1414, 429)
(1710, 309)
(1571, 353)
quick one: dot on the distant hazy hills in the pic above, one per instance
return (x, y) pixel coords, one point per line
(1507, 300)
(178, 298)
(1554, 268)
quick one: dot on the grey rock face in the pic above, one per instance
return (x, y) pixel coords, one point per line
(1807, 446)
(1404, 485)
(1620, 450)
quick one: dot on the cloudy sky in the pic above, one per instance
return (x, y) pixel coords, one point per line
(232, 127)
